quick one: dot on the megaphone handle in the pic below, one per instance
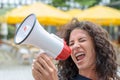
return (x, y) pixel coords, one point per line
(44, 52)
(41, 51)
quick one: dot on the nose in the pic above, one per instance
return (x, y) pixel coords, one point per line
(76, 46)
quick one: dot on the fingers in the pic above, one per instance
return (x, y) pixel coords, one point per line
(44, 68)
(36, 74)
(38, 71)
(38, 67)
(47, 61)
(41, 52)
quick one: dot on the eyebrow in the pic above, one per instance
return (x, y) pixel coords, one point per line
(79, 38)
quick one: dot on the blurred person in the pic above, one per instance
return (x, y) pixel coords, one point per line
(92, 58)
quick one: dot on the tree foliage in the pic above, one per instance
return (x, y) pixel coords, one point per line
(60, 3)
(83, 3)
(114, 0)
(88, 2)
(115, 4)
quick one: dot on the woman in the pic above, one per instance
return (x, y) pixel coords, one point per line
(92, 58)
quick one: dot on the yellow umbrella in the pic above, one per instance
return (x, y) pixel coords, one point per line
(73, 12)
(2, 19)
(3, 11)
(46, 14)
(102, 15)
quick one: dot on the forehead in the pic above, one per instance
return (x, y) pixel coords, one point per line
(79, 32)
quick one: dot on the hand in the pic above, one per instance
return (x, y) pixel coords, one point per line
(44, 69)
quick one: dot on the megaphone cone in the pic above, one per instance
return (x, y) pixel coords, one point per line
(31, 32)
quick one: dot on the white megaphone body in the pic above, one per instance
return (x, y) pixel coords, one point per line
(31, 32)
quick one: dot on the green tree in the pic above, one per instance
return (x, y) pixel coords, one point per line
(88, 2)
(114, 0)
(11, 31)
(114, 3)
(83, 3)
(60, 3)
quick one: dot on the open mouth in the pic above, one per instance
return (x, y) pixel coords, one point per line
(80, 56)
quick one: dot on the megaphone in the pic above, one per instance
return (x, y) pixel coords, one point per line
(31, 32)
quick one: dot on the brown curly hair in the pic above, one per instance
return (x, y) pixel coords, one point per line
(106, 66)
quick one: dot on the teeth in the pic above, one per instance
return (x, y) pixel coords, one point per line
(78, 54)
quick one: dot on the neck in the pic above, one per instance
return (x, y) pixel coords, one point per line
(89, 73)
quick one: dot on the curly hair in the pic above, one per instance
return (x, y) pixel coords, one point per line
(106, 66)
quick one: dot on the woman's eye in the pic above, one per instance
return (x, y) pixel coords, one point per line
(82, 40)
(70, 44)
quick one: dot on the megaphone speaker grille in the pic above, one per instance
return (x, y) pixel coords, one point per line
(25, 29)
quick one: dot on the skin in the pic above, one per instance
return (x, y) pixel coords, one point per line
(43, 68)
(80, 43)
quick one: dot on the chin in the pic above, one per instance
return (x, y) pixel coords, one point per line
(82, 67)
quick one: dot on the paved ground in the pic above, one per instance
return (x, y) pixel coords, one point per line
(16, 72)
(10, 69)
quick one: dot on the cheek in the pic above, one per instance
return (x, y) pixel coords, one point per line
(91, 55)
(71, 47)
(71, 50)
(91, 51)
(89, 46)
(73, 57)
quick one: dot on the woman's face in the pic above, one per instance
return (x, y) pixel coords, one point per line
(83, 52)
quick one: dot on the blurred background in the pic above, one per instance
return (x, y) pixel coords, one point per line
(16, 60)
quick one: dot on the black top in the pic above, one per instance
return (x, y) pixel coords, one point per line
(79, 77)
